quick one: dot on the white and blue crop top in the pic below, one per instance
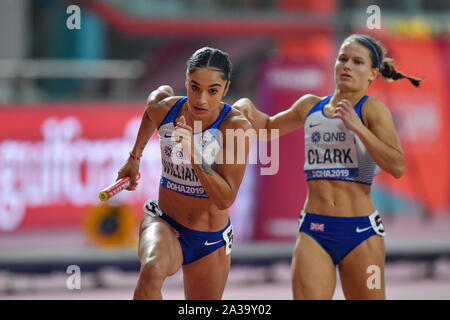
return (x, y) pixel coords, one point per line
(334, 152)
(177, 172)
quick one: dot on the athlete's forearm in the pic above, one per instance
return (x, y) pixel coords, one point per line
(145, 132)
(388, 158)
(148, 126)
(277, 125)
(217, 188)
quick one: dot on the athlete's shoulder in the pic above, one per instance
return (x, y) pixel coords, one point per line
(163, 104)
(310, 98)
(236, 120)
(374, 109)
(158, 110)
(307, 100)
(375, 106)
(305, 104)
(375, 103)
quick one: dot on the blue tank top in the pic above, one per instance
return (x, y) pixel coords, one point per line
(177, 172)
(332, 151)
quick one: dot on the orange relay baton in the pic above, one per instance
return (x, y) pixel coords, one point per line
(116, 187)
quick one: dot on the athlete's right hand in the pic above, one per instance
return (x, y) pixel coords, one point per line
(129, 169)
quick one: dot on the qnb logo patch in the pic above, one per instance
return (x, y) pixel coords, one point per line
(315, 137)
(317, 226)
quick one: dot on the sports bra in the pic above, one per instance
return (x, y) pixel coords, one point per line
(177, 172)
(332, 151)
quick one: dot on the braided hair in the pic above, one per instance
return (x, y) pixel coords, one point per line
(380, 60)
(207, 57)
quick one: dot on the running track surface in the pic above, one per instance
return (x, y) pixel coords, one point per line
(403, 281)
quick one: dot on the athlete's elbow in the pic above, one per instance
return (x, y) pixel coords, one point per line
(222, 205)
(398, 171)
(225, 202)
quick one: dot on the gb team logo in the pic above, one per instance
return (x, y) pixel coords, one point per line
(315, 137)
(168, 151)
(317, 226)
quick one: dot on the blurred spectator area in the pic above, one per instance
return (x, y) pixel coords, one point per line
(149, 41)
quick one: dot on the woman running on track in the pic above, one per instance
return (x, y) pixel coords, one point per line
(349, 137)
(188, 226)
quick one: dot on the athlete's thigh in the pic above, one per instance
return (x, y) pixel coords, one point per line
(206, 278)
(158, 244)
(362, 270)
(313, 271)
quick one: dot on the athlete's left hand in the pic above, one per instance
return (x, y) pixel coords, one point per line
(184, 134)
(344, 111)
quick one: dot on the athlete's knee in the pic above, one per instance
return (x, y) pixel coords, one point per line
(311, 289)
(307, 292)
(153, 273)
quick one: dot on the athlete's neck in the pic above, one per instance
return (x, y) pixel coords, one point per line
(352, 96)
(206, 120)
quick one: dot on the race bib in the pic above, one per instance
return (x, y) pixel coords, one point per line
(331, 155)
(227, 235)
(151, 208)
(377, 224)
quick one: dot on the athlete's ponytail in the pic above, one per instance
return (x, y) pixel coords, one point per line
(380, 60)
(388, 71)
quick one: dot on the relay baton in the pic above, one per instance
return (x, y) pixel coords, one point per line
(116, 187)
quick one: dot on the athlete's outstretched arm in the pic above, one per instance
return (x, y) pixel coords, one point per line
(259, 120)
(146, 129)
(285, 121)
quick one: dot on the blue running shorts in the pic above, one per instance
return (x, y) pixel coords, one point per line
(194, 244)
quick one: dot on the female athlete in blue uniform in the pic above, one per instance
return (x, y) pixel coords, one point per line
(348, 138)
(188, 226)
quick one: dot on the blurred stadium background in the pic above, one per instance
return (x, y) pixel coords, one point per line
(71, 101)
